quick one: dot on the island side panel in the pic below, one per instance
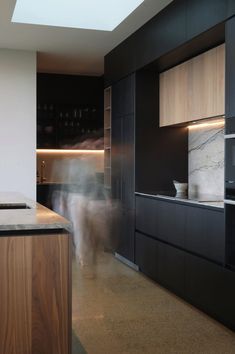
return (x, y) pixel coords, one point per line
(35, 293)
(15, 295)
(51, 302)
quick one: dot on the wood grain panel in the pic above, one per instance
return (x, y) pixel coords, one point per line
(207, 84)
(50, 295)
(173, 93)
(35, 294)
(15, 295)
(194, 89)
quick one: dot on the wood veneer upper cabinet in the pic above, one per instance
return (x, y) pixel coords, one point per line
(195, 89)
(207, 84)
(173, 91)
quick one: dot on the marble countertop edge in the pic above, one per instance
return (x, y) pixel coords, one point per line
(36, 217)
(214, 204)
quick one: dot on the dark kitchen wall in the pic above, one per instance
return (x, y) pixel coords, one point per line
(70, 89)
(71, 107)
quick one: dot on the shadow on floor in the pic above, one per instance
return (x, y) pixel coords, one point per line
(77, 347)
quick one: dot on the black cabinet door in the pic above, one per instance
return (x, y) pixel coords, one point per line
(123, 146)
(211, 288)
(230, 69)
(123, 93)
(161, 262)
(161, 219)
(203, 14)
(126, 231)
(146, 255)
(116, 159)
(230, 8)
(117, 94)
(171, 268)
(205, 233)
(146, 215)
(215, 235)
(128, 145)
(171, 222)
(195, 237)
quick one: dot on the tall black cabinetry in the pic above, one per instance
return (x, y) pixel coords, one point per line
(230, 68)
(229, 143)
(122, 160)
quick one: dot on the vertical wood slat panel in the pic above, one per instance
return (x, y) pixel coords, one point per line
(15, 295)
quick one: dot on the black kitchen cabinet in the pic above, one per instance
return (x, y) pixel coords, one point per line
(230, 235)
(128, 165)
(230, 69)
(116, 157)
(205, 233)
(204, 284)
(160, 262)
(163, 33)
(59, 125)
(196, 229)
(171, 266)
(203, 14)
(146, 210)
(122, 161)
(126, 232)
(172, 218)
(146, 255)
(123, 93)
(230, 8)
(69, 109)
(211, 288)
(183, 29)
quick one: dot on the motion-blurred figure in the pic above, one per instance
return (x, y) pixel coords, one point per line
(87, 205)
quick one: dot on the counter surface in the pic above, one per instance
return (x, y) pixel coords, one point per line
(198, 202)
(33, 216)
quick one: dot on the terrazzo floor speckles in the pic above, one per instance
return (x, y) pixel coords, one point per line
(120, 311)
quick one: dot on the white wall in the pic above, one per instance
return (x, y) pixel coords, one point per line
(18, 122)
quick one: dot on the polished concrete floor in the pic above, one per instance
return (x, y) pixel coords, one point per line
(117, 310)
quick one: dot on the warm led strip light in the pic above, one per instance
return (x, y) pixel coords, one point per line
(204, 125)
(68, 151)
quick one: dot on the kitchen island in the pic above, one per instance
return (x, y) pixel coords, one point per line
(35, 278)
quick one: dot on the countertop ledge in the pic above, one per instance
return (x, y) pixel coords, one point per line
(212, 204)
(36, 217)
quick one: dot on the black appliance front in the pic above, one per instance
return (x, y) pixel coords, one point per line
(230, 167)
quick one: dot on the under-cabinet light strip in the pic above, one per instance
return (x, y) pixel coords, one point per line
(68, 151)
(204, 125)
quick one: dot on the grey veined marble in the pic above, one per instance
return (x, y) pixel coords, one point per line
(206, 161)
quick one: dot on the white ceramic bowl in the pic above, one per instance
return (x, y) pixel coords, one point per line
(181, 187)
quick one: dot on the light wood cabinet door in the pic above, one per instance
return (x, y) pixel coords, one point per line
(35, 294)
(194, 89)
(173, 93)
(207, 84)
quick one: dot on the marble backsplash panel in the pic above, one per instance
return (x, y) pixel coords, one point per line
(206, 161)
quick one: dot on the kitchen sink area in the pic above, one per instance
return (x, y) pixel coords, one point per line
(7, 206)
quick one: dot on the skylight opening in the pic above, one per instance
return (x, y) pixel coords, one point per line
(104, 15)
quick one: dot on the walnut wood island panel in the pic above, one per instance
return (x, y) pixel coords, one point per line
(35, 278)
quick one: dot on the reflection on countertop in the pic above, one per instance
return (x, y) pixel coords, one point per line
(206, 200)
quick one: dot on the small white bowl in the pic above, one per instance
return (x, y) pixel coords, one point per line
(181, 188)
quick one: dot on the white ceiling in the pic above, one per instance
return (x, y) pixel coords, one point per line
(67, 50)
